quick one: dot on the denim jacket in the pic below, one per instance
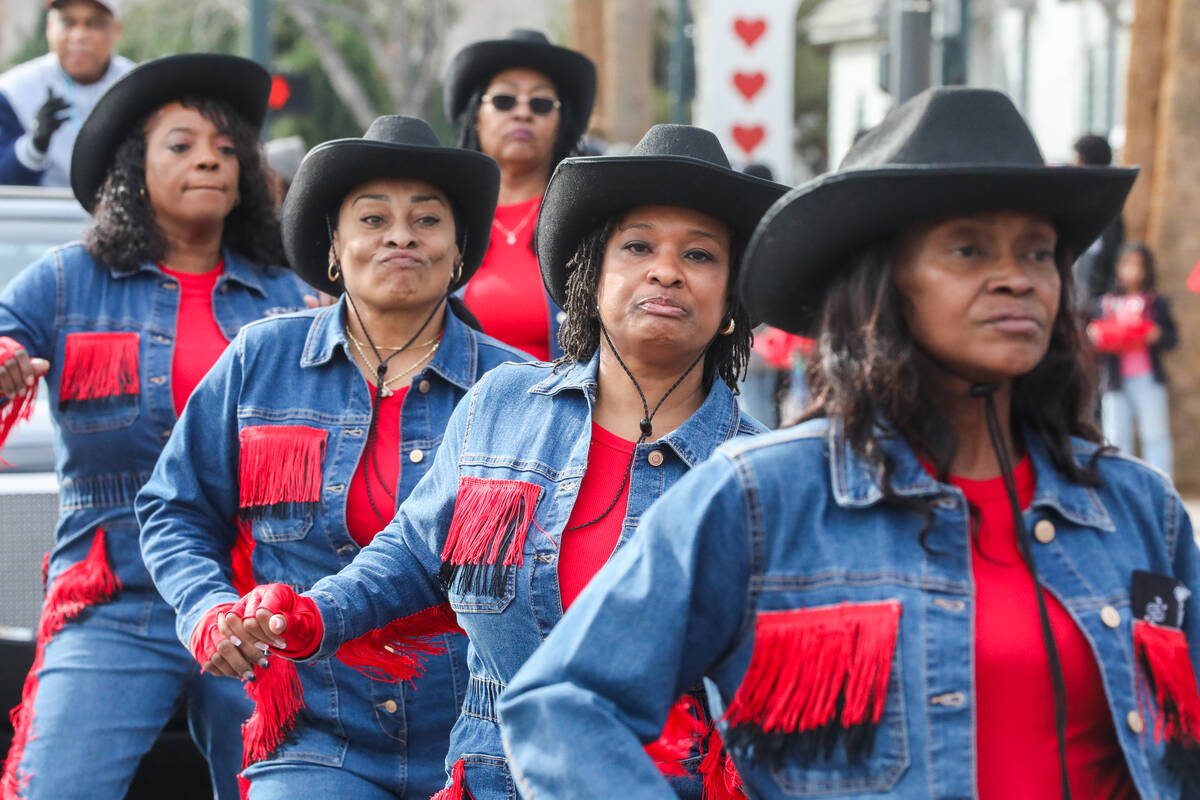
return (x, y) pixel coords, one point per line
(107, 446)
(297, 370)
(527, 426)
(796, 521)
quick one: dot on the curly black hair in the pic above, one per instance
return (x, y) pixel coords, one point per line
(579, 334)
(124, 233)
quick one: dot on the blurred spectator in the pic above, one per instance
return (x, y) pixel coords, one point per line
(757, 170)
(1094, 269)
(283, 158)
(1132, 328)
(44, 101)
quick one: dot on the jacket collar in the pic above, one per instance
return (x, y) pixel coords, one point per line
(236, 269)
(455, 360)
(716, 421)
(855, 484)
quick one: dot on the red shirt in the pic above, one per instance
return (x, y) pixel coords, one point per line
(586, 550)
(1016, 744)
(507, 294)
(361, 520)
(198, 349)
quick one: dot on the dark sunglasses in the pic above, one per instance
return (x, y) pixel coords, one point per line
(507, 102)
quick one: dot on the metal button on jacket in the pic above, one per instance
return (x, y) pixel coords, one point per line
(1110, 616)
(1043, 531)
(1135, 722)
(416, 456)
(423, 387)
(390, 706)
(655, 458)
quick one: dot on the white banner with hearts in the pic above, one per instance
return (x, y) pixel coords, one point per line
(745, 71)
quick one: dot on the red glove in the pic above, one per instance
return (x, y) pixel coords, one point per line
(206, 636)
(301, 626)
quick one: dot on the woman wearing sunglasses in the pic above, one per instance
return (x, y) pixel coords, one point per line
(525, 103)
(941, 584)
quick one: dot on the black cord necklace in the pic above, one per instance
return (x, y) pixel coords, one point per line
(996, 434)
(646, 425)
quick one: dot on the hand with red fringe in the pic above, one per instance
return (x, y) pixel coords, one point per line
(221, 652)
(18, 385)
(270, 611)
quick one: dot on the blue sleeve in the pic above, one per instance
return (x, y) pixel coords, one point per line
(12, 171)
(29, 307)
(396, 575)
(577, 715)
(1187, 570)
(186, 508)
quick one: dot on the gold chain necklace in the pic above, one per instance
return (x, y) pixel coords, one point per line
(360, 344)
(510, 236)
(385, 387)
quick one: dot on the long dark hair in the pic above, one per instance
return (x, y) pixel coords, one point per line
(579, 334)
(866, 370)
(125, 234)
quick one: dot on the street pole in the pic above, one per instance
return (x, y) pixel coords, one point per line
(910, 43)
(260, 32)
(679, 66)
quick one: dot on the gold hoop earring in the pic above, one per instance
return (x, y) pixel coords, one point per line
(333, 272)
(728, 327)
(458, 269)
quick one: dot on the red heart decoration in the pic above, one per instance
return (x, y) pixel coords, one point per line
(749, 30)
(749, 83)
(749, 137)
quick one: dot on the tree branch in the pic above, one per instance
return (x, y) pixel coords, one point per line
(340, 75)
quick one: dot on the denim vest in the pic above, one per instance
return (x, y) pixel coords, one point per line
(796, 520)
(297, 370)
(526, 424)
(107, 446)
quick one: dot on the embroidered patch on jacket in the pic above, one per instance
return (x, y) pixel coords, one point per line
(487, 534)
(817, 677)
(99, 366)
(1166, 677)
(279, 470)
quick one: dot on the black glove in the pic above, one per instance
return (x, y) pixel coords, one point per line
(49, 118)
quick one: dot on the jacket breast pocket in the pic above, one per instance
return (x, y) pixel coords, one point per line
(824, 695)
(290, 529)
(485, 546)
(99, 388)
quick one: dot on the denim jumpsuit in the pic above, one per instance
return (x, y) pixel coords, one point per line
(111, 677)
(357, 737)
(795, 520)
(525, 427)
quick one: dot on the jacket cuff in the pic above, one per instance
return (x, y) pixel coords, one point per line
(334, 626)
(186, 622)
(28, 155)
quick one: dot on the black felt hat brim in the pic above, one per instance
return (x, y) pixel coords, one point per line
(573, 74)
(471, 180)
(240, 82)
(810, 234)
(584, 192)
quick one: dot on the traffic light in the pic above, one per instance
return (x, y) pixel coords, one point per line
(289, 92)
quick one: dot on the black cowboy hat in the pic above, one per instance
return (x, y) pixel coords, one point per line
(149, 86)
(949, 151)
(673, 165)
(573, 73)
(393, 147)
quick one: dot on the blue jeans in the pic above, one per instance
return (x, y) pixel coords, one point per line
(1142, 402)
(108, 684)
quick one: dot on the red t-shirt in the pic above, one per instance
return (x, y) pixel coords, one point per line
(361, 519)
(507, 294)
(1016, 744)
(585, 551)
(198, 349)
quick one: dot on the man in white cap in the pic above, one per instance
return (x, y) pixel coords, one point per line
(44, 101)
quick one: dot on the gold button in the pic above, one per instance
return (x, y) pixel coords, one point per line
(1044, 531)
(1110, 616)
(390, 706)
(423, 387)
(1135, 722)
(655, 458)
(416, 456)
